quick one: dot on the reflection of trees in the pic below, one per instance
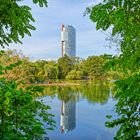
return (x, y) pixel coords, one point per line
(68, 93)
(47, 91)
(96, 93)
(93, 92)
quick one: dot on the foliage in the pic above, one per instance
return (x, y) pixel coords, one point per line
(51, 70)
(65, 65)
(77, 63)
(19, 112)
(37, 71)
(19, 73)
(93, 66)
(127, 107)
(42, 71)
(123, 18)
(74, 75)
(113, 70)
(15, 20)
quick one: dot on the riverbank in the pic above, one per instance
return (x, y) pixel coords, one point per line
(59, 84)
(70, 83)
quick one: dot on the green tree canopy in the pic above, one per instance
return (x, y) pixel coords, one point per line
(123, 18)
(51, 70)
(74, 75)
(15, 20)
(36, 69)
(19, 111)
(93, 66)
(65, 65)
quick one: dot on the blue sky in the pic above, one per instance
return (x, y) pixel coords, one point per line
(45, 40)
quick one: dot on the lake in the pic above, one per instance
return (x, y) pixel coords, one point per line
(80, 111)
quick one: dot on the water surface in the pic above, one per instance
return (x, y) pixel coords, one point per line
(80, 111)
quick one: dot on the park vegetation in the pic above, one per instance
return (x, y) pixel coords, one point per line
(65, 68)
(20, 112)
(122, 18)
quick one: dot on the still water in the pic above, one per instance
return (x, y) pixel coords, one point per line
(80, 111)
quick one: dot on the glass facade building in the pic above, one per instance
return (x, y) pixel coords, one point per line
(68, 40)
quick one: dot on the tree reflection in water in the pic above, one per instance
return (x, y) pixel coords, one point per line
(93, 93)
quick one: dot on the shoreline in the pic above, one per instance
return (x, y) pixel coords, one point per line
(58, 84)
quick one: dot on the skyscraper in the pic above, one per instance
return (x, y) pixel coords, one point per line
(68, 40)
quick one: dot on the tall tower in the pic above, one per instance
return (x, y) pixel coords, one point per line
(68, 40)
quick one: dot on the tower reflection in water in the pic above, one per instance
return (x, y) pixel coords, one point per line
(68, 116)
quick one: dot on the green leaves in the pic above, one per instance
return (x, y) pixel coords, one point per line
(15, 21)
(108, 116)
(127, 93)
(123, 16)
(19, 110)
(94, 65)
(74, 75)
(65, 64)
(51, 70)
(41, 2)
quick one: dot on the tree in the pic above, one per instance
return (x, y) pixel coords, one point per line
(15, 20)
(51, 70)
(65, 65)
(18, 73)
(37, 71)
(19, 111)
(93, 67)
(123, 17)
(77, 62)
(74, 75)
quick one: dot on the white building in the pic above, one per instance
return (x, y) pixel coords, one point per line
(68, 40)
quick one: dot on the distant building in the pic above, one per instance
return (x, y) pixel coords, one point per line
(68, 116)
(68, 40)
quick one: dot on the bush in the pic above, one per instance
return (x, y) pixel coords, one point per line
(74, 75)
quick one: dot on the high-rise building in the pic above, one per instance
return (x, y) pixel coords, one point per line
(68, 40)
